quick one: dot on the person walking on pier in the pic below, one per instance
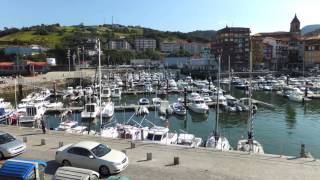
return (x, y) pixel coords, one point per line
(43, 126)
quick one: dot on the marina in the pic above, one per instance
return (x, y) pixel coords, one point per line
(280, 125)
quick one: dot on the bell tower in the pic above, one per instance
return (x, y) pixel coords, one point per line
(295, 25)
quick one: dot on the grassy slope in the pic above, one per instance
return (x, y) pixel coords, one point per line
(53, 39)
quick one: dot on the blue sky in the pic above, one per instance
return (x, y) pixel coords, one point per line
(172, 15)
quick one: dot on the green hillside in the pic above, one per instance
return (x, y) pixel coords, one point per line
(55, 35)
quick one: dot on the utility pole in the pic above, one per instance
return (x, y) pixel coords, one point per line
(68, 56)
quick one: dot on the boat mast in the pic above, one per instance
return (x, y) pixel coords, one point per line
(229, 67)
(100, 102)
(216, 134)
(250, 120)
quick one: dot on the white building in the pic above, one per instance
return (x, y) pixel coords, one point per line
(169, 47)
(119, 45)
(191, 47)
(143, 44)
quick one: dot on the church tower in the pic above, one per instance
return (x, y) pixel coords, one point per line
(295, 25)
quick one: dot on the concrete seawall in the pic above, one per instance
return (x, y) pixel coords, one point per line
(195, 163)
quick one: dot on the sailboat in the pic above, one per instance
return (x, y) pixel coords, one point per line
(250, 145)
(215, 140)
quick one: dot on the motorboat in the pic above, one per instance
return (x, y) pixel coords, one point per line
(88, 91)
(109, 132)
(65, 125)
(132, 132)
(159, 134)
(254, 146)
(193, 96)
(24, 103)
(69, 91)
(297, 95)
(189, 140)
(163, 108)
(156, 101)
(107, 110)
(207, 99)
(4, 104)
(106, 92)
(218, 142)
(148, 87)
(34, 112)
(5, 113)
(199, 106)
(91, 110)
(44, 95)
(179, 109)
(81, 130)
(54, 105)
(116, 93)
(142, 110)
(221, 98)
(143, 101)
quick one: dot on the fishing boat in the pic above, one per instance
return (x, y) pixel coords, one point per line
(215, 139)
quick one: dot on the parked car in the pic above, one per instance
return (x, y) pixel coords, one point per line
(73, 173)
(22, 169)
(92, 155)
(10, 146)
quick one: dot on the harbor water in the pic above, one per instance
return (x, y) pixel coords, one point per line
(281, 130)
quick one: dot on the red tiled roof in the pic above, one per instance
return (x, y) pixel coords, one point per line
(6, 63)
(36, 63)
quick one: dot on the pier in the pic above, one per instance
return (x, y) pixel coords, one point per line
(194, 163)
(126, 107)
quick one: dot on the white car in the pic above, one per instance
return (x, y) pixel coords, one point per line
(92, 155)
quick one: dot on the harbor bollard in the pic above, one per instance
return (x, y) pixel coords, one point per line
(25, 139)
(133, 145)
(149, 156)
(303, 151)
(124, 151)
(60, 144)
(43, 142)
(176, 161)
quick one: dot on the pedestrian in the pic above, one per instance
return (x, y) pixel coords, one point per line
(43, 126)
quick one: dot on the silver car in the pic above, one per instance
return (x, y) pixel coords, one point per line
(10, 146)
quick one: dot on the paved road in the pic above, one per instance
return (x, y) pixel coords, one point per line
(199, 163)
(50, 76)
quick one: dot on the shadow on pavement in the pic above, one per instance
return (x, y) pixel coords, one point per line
(52, 166)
